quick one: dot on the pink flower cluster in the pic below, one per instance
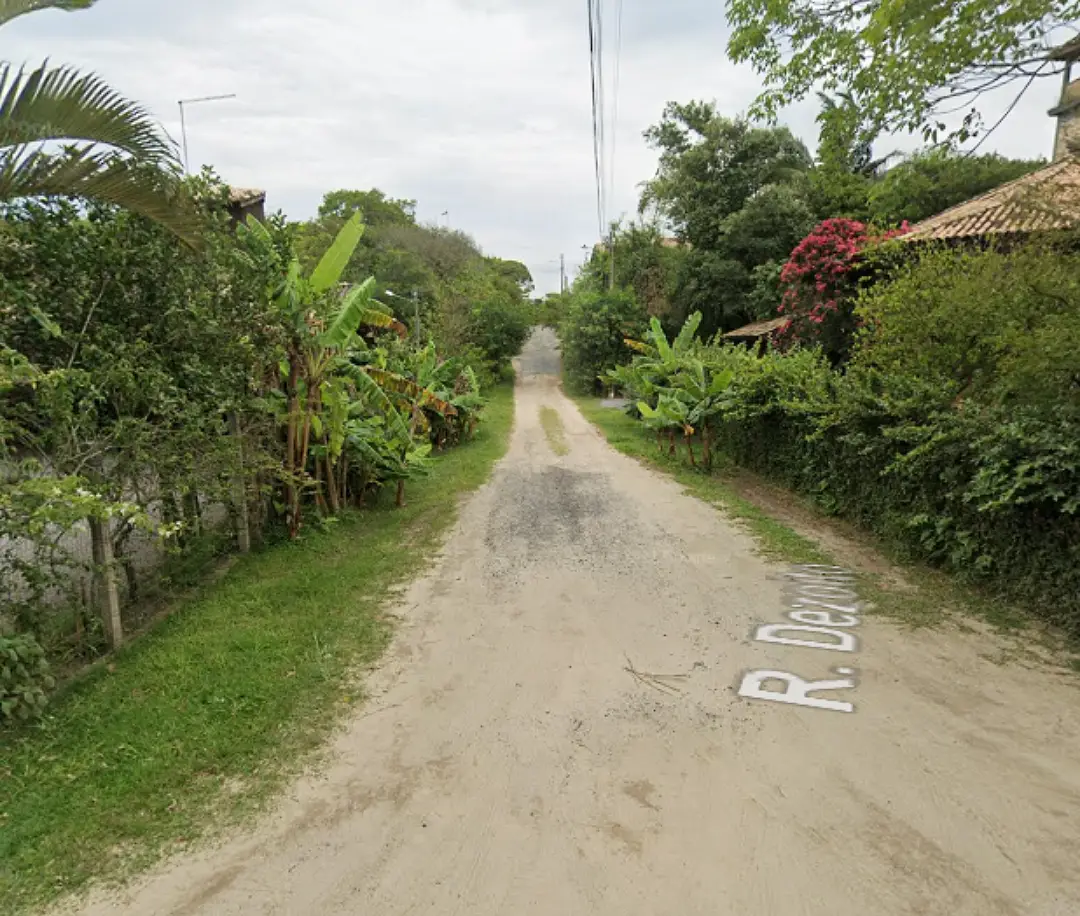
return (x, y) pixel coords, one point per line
(817, 277)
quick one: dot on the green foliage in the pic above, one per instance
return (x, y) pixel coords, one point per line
(736, 195)
(24, 679)
(999, 327)
(113, 150)
(593, 331)
(126, 349)
(954, 430)
(768, 226)
(711, 166)
(904, 64)
(203, 720)
(934, 180)
(142, 380)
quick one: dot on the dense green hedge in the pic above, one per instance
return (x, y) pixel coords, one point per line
(954, 431)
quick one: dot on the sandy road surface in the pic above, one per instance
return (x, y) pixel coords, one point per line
(509, 763)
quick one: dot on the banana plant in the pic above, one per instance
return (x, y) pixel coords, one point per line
(705, 390)
(657, 360)
(317, 344)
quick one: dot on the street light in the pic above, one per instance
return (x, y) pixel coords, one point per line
(416, 312)
(183, 122)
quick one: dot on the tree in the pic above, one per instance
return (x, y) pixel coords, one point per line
(645, 261)
(593, 332)
(111, 149)
(514, 271)
(840, 181)
(710, 166)
(738, 195)
(934, 180)
(376, 208)
(771, 224)
(907, 65)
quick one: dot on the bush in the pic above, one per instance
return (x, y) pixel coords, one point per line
(954, 431)
(999, 327)
(819, 283)
(593, 333)
(24, 679)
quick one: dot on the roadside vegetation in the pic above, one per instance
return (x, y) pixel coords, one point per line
(177, 384)
(926, 394)
(203, 719)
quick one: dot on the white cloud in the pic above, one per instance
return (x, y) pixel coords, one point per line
(477, 107)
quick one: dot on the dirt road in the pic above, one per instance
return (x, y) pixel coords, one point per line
(517, 756)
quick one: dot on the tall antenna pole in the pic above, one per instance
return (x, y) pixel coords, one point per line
(183, 131)
(183, 121)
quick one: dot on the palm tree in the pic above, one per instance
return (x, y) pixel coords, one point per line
(69, 133)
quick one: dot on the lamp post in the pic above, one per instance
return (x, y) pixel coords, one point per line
(183, 120)
(416, 313)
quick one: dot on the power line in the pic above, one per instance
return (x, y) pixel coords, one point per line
(615, 125)
(615, 97)
(597, 110)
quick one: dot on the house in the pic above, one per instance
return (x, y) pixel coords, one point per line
(1044, 200)
(757, 333)
(245, 202)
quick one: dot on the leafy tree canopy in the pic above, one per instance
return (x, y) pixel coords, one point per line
(906, 64)
(934, 180)
(376, 208)
(710, 166)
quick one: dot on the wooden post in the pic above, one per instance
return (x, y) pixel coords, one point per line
(105, 591)
(243, 522)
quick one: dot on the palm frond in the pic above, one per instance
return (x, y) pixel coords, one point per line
(108, 178)
(10, 9)
(63, 104)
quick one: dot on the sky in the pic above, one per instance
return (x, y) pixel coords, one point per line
(479, 109)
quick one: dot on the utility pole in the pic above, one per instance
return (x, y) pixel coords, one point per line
(562, 273)
(416, 317)
(611, 242)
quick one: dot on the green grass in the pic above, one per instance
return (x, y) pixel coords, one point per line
(553, 429)
(203, 719)
(929, 596)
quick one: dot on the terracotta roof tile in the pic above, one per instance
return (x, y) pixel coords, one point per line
(1046, 199)
(758, 328)
(245, 197)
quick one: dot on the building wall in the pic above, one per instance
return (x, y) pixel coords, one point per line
(1067, 136)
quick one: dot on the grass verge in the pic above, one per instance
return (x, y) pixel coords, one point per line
(925, 597)
(199, 722)
(553, 429)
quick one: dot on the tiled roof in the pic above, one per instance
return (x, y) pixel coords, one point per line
(245, 197)
(1046, 199)
(758, 328)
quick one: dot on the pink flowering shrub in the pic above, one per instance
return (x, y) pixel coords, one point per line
(819, 283)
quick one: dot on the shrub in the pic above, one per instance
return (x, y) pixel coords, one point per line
(593, 331)
(24, 679)
(819, 283)
(953, 431)
(996, 326)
